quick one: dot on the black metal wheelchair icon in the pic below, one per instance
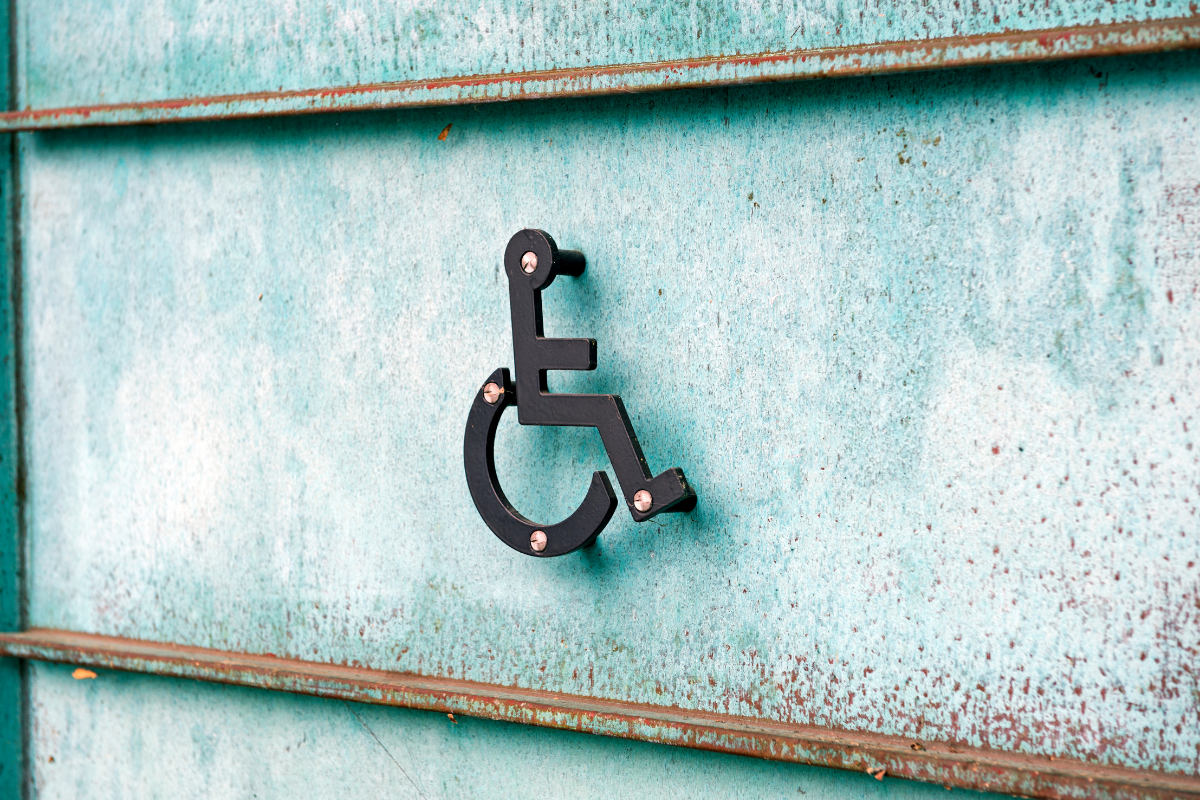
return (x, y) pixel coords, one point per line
(532, 261)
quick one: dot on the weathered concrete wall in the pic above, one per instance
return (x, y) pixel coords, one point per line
(88, 52)
(138, 736)
(927, 347)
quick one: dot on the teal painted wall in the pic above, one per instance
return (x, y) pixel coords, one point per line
(85, 52)
(11, 540)
(12, 701)
(139, 736)
(927, 347)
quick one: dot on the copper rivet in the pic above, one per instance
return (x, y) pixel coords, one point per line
(491, 393)
(529, 262)
(537, 540)
(642, 501)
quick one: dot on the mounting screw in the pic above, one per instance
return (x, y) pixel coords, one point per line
(529, 262)
(491, 393)
(642, 501)
(537, 540)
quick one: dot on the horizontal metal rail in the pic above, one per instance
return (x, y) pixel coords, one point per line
(959, 51)
(935, 762)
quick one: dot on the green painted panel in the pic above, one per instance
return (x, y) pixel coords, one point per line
(11, 544)
(138, 736)
(11, 745)
(87, 52)
(11, 540)
(928, 347)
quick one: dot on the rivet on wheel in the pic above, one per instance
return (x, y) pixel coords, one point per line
(537, 540)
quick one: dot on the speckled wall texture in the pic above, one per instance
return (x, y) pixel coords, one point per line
(928, 347)
(138, 736)
(87, 52)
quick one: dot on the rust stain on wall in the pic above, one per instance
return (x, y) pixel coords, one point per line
(972, 768)
(709, 71)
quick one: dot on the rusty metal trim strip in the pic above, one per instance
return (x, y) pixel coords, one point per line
(951, 766)
(960, 51)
